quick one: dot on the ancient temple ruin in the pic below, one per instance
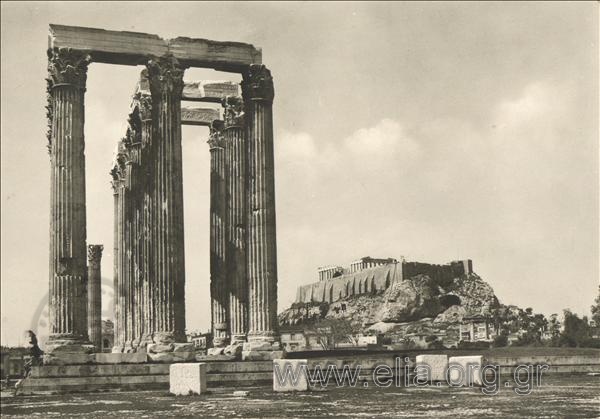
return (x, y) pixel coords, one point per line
(373, 276)
(149, 274)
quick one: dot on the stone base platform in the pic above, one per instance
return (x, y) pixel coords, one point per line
(121, 377)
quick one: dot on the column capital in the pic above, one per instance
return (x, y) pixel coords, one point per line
(257, 83)
(95, 253)
(165, 75)
(233, 114)
(216, 140)
(67, 66)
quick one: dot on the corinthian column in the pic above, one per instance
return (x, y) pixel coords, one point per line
(143, 115)
(166, 85)
(95, 296)
(218, 235)
(117, 186)
(67, 72)
(119, 174)
(235, 152)
(258, 93)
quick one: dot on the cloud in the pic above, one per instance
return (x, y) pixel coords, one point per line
(296, 145)
(385, 139)
(537, 102)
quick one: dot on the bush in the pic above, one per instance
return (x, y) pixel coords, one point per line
(473, 345)
(500, 341)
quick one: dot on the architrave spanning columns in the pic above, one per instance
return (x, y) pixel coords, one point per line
(157, 230)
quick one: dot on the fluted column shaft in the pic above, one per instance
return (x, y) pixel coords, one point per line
(95, 295)
(122, 270)
(236, 178)
(68, 268)
(137, 296)
(166, 85)
(116, 254)
(258, 93)
(218, 236)
(146, 187)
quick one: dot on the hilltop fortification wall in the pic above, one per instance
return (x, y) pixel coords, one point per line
(376, 280)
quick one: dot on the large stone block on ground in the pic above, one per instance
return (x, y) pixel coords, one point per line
(290, 375)
(235, 349)
(258, 346)
(121, 358)
(184, 347)
(186, 379)
(68, 358)
(261, 355)
(209, 358)
(156, 348)
(438, 364)
(465, 370)
(215, 351)
(172, 357)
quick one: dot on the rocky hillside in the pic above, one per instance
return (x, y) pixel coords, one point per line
(416, 300)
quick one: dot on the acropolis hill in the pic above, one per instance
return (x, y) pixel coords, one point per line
(371, 276)
(384, 295)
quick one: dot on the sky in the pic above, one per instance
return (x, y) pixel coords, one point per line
(433, 131)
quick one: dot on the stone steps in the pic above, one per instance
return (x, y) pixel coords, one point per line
(86, 378)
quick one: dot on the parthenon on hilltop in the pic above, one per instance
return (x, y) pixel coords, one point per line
(149, 274)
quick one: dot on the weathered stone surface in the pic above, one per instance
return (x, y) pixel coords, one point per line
(209, 91)
(198, 116)
(183, 347)
(258, 94)
(209, 358)
(234, 349)
(218, 236)
(121, 358)
(68, 346)
(411, 300)
(438, 365)
(165, 76)
(134, 48)
(67, 75)
(95, 295)
(187, 379)
(68, 358)
(203, 91)
(155, 348)
(236, 162)
(215, 351)
(465, 370)
(172, 356)
(258, 346)
(283, 380)
(262, 355)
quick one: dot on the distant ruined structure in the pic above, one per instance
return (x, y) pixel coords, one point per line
(370, 276)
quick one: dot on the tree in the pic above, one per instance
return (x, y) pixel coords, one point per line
(501, 340)
(554, 329)
(330, 332)
(596, 309)
(575, 332)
